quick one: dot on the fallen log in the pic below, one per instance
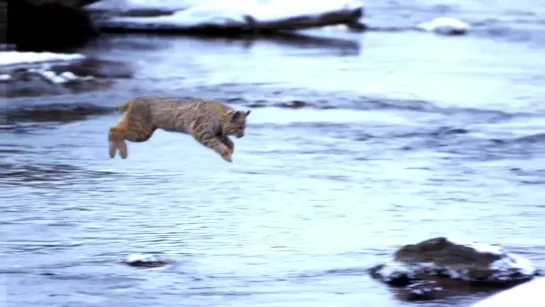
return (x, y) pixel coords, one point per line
(210, 20)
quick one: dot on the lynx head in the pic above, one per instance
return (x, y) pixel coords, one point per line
(235, 123)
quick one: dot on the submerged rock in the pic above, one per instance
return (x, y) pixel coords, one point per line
(144, 261)
(451, 264)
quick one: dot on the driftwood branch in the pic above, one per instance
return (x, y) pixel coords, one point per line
(252, 26)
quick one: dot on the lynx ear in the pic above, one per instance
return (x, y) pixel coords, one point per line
(248, 112)
(234, 115)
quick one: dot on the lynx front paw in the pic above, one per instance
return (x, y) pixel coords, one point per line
(227, 156)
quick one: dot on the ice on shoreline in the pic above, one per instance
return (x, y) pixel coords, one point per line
(530, 292)
(15, 57)
(144, 5)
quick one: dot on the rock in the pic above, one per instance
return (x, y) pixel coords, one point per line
(48, 25)
(445, 26)
(60, 78)
(44, 81)
(144, 261)
(97, 68)
(451, 265)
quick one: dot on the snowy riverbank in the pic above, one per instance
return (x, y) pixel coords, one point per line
(37, 73)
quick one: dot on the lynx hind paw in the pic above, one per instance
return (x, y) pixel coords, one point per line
(112, 149)
(123, 150)
(114, 146)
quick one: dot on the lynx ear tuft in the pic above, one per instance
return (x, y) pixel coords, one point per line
(248, 112)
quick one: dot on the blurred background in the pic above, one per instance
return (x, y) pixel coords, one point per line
(373, 125)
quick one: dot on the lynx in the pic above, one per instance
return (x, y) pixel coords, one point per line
(209, 122)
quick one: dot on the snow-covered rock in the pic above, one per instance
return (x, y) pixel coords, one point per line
(454, 260)
(144, 260)
(445, 26)
(39, 73)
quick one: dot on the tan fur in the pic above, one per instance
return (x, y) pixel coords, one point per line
(209, 122)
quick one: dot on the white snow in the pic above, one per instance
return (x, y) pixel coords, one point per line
(513, 262)
(444, 25)
(5, 77)
(529, 293)
(507, 262)
(126, 5)
(69, 76)
(225, 12)
(15, 57)
(394, 270)
(55, 78)
(141, 258)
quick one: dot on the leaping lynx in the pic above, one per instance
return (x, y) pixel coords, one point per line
(208, 121)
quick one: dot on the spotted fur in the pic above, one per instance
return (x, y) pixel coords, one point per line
(209, 122)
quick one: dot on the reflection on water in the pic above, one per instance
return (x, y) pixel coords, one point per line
(352, 150)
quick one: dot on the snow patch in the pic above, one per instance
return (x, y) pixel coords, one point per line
(55, 78)
(140, 258)
(395, 270)
(444, 25)
(15, 57)
(229, 12)
(531, 293)
(508, 261)
(513, 262)
(127, 5)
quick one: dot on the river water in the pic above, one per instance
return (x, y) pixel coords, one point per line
(402, 136)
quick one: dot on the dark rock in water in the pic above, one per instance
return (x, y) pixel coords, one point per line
(452, 265)
(43, 81)
(144, 261)
(441, 251)
(97, 68)
(48, 25)
(295, 104)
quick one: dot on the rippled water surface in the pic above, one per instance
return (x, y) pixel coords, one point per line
(357, 144)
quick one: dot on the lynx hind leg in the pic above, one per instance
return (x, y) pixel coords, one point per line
(116, 139)
(227, 141)
(132, 127)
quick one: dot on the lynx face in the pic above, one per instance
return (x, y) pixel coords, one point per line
(235, 123)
